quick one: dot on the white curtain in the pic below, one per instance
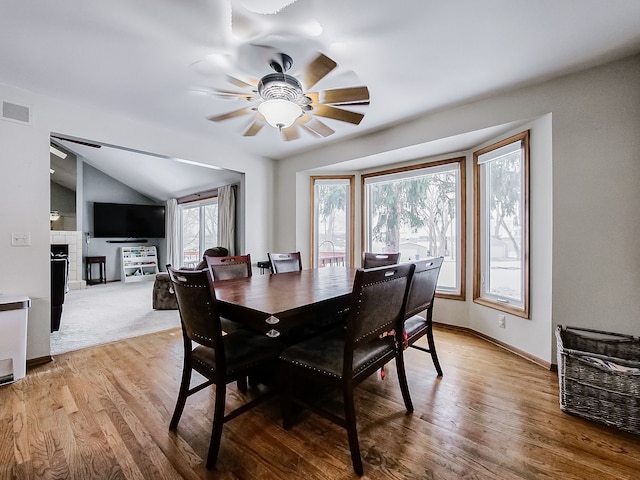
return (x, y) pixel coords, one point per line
(227, 218)
(173, 234)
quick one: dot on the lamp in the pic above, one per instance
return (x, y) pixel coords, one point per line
(280, 113)
(282, 94)
(54, 215)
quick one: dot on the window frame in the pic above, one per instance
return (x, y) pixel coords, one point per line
(479, 296)
(350, 216)
(200, 204)
(462, 215)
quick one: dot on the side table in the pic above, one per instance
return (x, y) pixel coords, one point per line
(101, 261)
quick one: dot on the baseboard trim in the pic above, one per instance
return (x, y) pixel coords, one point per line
(34, 362)
(506, 346)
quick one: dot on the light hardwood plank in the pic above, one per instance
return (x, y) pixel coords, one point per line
(103, 412)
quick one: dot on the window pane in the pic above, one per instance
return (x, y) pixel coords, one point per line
(416, 213)
(504, 245)
(501, 269)
(331, 207)
(190, 235)
(210, 230)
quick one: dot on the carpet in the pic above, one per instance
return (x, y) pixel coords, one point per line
(106, 313)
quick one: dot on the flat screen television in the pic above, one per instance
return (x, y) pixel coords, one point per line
(111, 220)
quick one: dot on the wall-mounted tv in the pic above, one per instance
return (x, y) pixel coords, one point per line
(111, 220)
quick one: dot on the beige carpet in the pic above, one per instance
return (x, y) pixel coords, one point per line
(106, 313)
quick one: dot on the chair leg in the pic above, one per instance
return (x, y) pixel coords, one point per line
(352, 432)
(182, 395)
(432, 349)
(402, 379)
(242, 384)
(218, 422)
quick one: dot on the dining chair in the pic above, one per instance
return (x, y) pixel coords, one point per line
(228, 268)
(345, 356)
(371, 260)
(420, 299)
(285, 262)
(221, 359)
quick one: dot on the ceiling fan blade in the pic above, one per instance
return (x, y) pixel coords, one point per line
(238, 83)
(233, 114)
(317, 70)
(338, 114)
(254, 128)
(342, 96)
(223, 94)
(290, 133)
(319, 128)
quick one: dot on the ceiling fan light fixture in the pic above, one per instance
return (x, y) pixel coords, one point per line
(280, 113)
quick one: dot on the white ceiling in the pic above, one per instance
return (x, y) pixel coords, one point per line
(149, 58)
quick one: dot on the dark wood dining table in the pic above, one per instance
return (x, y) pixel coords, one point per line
(278, 303)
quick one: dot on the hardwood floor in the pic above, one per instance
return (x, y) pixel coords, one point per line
(104, 412)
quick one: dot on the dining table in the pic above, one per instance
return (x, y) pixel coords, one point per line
(277, 304)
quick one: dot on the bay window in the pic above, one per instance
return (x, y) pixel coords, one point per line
(419, 211)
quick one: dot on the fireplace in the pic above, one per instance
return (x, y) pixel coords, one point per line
(69, 243)
(59, 249)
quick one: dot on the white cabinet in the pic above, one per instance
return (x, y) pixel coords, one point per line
(139, 263)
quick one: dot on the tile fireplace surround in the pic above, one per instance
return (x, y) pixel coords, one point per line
(74, 241)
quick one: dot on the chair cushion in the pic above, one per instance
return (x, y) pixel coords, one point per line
(243, 350)
(415, 326)
(325, 353)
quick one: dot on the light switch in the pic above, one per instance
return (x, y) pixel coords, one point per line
(20, 239)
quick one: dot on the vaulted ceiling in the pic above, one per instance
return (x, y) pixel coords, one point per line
(166, 62)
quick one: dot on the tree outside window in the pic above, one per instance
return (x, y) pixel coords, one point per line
(418, 212)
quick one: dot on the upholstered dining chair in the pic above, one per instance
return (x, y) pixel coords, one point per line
(285, 262)
(221, 359)
(371, 260)
(420, 299)
(227, 268)
(344, 357)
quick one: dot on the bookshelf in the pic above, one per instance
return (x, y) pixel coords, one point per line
(139, 263)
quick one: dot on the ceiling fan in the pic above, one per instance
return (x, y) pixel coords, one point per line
(287, 103)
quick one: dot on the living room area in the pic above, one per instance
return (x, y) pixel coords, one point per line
(97, 295)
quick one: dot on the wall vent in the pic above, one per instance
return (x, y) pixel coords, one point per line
(16, 113)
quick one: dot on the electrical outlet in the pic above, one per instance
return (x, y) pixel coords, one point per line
(20, 239)
(502, 321)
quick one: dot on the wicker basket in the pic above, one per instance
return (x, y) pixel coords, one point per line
(599, 374)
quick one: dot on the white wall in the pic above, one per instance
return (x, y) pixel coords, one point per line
(24, 185)
(584, 192)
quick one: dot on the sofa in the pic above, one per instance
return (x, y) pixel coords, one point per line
(163, 296)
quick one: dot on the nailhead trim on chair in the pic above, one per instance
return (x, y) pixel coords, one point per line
(325, 372)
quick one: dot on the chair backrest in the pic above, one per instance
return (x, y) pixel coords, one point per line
(226, 268)
(377, 303)
(372, 260)
(211, 252)
(423, 286)
(285, 262)
(198, 308)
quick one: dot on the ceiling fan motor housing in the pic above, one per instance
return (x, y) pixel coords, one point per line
(280, 86)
